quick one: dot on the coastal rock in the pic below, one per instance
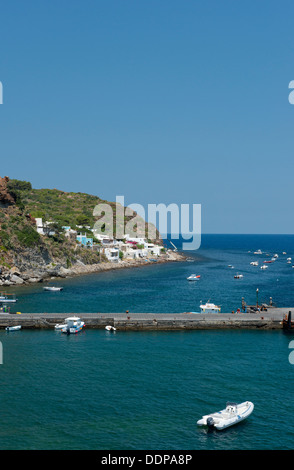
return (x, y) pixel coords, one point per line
(6, 199)
(35, 279)
(16, 279)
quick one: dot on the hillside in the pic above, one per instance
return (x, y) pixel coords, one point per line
(27, 256)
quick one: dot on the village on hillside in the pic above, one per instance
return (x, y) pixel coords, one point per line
(110, 249)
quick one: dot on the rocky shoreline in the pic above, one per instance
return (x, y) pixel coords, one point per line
(16, 277)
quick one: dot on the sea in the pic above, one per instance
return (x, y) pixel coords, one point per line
(145, 390)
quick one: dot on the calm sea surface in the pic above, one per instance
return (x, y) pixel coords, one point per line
(146, 390)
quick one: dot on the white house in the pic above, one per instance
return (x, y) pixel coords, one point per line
(44, 228)
(112, 254)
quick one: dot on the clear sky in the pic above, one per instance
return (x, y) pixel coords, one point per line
(162, 101)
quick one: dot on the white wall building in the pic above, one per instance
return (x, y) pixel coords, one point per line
(112, 254)
(43, 228)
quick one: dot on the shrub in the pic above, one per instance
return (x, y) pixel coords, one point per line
(28, 236)
(18, 185)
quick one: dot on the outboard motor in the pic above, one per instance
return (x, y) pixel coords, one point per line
(210, 422)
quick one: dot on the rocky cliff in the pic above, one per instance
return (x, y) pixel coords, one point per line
(25, 255)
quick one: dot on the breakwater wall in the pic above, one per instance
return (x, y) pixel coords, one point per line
(154, 322)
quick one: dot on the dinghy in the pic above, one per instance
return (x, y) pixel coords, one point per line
(232, 414)
(110, 328)
(13, 328)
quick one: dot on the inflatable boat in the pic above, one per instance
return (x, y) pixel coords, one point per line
(232, 414)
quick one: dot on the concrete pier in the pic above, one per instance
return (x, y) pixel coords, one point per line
(269, 320)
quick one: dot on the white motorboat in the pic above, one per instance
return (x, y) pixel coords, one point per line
(258, 252)
(7, 298)
(254, 263)
(71, 325)
(110, 328)
(13, 328)
(264, 266)
(210, 308)
(238, 276)
(232, 414)
(193, 277)
(53, 289)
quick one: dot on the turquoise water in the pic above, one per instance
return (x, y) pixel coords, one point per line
(146, 390)
(143, 390)
(165, 289)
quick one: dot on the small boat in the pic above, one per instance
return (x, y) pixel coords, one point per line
(5, 298)
(258, 252)
(268, 262)
(230, 266)
(71, 325)
(190, 260)
(254, 263)
(110, 328)
(13, 328)
(233, 413)
(263, 266)
(59, 326)
(276, 256)
(238, 276)
(53, 288)
(193, 277)
(210, 308)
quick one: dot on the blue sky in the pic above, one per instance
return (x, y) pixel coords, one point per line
(160, 101)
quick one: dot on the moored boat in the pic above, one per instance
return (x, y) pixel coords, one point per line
(71, 325)
(193, 277)
(238, 276)
(13, 328)
(53, 288)
(7, 298)
(232, 414)
(210, 308)
(110, 328)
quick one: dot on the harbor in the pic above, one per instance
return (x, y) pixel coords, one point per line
(272, 319)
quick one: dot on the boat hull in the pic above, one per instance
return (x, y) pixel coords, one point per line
(13, 328)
